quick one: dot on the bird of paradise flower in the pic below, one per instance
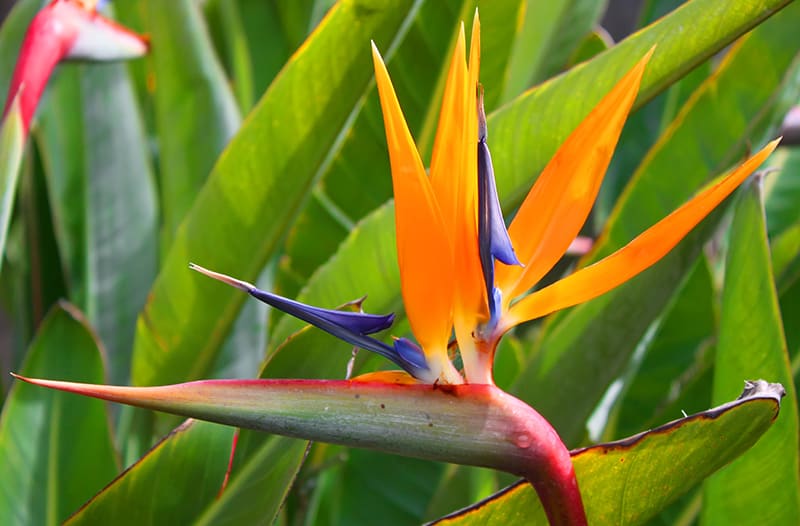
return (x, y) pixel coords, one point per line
(462, 273)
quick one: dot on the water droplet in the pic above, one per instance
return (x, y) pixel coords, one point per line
(523, 441)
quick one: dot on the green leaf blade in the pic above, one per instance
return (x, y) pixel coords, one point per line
(172, 495)
(47, 440)
(196, 113)
(763, 486)
(629, 481)
(12, 143)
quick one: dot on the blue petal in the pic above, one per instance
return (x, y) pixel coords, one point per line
(410, 353)
(493, 240)
(357, 322)
(351, 327)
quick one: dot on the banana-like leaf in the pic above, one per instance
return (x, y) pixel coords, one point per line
(196, 113)
(629, 481)
(673, 355)
(11, 34)
(195, 476)
(48, 439)
(763, 486)
(103, 200)
(550, 32)
(12, 143)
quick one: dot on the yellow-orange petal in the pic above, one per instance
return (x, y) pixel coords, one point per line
(423, 247)
(636, 256)
(387, 377)
(449, 152)
(562, 197)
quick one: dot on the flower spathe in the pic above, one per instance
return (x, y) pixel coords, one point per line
(66, 29)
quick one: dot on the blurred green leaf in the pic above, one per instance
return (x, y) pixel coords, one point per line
(12, 142)
(60, 145)
(590, 46)
(782, 190)
(233, 49)
(354, 497)
(121, 210)
(629, 481)
(550, 33)
(47, 439)
(673, 355)
(763, 486)
(169, 485)
(11, 34)
(258, 490)
(579, 355)
(101, 190)
(196, 113)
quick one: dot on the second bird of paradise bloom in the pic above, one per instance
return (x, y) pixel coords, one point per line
(464, 274)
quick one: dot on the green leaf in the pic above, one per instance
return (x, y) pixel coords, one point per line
(48, 439)
(257, 186)
(60, 144)
(710, 133)
(550, 32)
(101, 190)
(592, 45)
(629, 481)
(762, 487)
(354, 497)
(258, 490)
(673, 355)
(11, 35)
(196, 113)
(12, 142)
(169, 484)
(782, 191)
(121, 213)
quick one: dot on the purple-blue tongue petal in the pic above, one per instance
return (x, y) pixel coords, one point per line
(351, 327)
(493, 240)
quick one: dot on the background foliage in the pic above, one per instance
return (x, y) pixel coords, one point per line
(250, 141)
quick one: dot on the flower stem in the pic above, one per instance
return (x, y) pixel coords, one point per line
(545, 462)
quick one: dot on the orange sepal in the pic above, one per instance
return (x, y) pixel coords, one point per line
(560, 201)
(423, 246)
(636, 256)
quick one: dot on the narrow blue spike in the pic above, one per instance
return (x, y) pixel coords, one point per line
(351, 327)
(493, 240)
